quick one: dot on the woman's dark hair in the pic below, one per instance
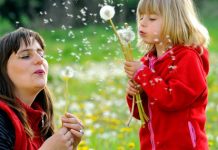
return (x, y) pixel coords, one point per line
(10, 43)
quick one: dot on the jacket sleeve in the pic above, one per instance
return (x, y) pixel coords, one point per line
(7, 135)
(144, 99)
(180, 88)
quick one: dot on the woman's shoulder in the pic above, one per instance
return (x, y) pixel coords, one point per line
(7, 133)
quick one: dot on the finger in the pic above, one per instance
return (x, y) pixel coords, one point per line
(131, 83)
(130, 73)
(77, 133)
(73, 126)
(68, 135)
(131, 91)
(63, 130)
(127, 67)
(69, 120)
(128, 63)
(69, 115)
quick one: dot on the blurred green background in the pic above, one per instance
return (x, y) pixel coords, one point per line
(76, 36)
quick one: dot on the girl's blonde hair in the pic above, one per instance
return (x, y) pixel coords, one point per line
(180, 22)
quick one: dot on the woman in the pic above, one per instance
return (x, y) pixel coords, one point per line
(26, 111)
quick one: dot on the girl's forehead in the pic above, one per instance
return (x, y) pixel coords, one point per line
(149, 7)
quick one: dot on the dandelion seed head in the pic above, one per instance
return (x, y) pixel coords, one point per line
(126, 35)
(107, 12)
(67, 73)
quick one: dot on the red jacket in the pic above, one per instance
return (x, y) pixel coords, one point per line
(175, 97)
(22, 141)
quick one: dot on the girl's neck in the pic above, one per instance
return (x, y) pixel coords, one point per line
(160, 49)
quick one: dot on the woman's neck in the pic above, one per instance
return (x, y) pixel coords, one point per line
(26, 97)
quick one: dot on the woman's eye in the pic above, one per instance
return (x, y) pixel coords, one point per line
(41, 53)
(24, 56)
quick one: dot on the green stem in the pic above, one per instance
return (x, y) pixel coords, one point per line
(131, 113)
(66, 96)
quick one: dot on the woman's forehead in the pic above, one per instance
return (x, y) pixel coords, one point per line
(32, 42)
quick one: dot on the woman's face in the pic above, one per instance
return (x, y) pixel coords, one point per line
(28, 69)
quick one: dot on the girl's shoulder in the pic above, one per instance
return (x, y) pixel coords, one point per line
(182, 49)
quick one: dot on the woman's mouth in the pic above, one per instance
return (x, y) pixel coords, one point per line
(39, 72)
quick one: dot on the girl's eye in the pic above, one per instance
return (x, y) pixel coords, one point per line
(152, 19)
(141, 17)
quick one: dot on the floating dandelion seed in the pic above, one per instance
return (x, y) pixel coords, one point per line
(45, 21)
(54, 4)
(107, 12)
(156, 40)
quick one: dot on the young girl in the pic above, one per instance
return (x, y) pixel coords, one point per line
(171, 77)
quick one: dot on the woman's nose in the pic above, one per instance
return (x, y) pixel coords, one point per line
(38, 59)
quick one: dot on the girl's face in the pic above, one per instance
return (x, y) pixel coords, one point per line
(150, 28)
(28, 69)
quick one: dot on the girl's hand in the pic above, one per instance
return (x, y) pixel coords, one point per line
(62, 139)
(131, 67)
(133, 88)
(75, 126)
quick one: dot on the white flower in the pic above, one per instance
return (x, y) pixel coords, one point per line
(126, 35)
(67, 73)
(107, 12)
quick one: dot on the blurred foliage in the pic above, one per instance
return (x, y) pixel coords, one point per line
(25, 12)
(15, 11)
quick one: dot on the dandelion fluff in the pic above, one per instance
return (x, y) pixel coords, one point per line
(107, 12)
(126, 35)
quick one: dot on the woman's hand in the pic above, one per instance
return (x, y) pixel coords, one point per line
(62, 139)
(131, 67)
(133, 88)
(75, 126)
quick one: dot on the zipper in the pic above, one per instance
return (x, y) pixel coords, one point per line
(151, 129)
(192, 134)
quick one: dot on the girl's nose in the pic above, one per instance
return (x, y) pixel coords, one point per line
(142, 22)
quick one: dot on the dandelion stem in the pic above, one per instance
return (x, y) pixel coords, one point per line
(132, 110)
(127, 52)
(66, 96)
(118, 37)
